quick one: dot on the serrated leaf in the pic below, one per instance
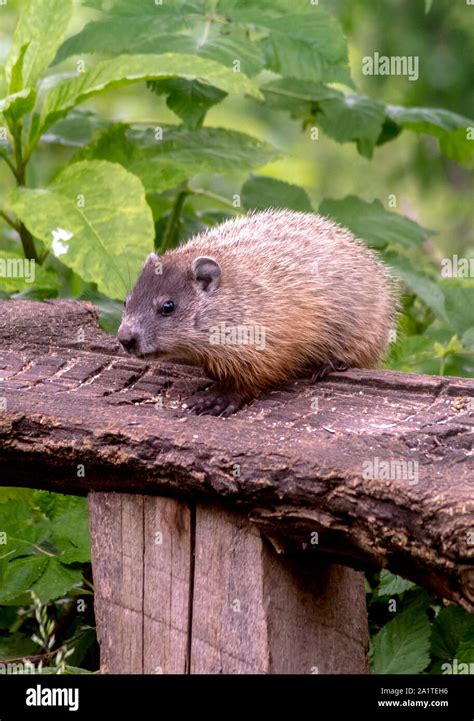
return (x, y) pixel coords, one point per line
(452, 627)
(24, 528)
(426, 289)
(41, 28)
(167, 28)
(126, 69)
(459, 303)
(163, 160)
(70, 531)
(402, 646)
(56, 580)
(96, 219)
(189, 99)
(300, 39)
(76, 130)
(47, 577)
(19, 576)
(391, 585)
(350, 117)
(127, 26)
(262, 192)
(309, 46)
(371, 222)
(465, 652)
(299, 97)
(451, 130)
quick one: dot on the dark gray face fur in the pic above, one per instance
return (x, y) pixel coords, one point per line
(146, 328)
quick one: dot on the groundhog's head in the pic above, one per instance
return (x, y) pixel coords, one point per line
(165, 313)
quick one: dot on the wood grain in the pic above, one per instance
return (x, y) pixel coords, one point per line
(294, 462)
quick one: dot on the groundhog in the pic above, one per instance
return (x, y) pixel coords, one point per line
(259, 300)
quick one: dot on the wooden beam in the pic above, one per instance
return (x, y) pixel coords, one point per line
(180, 589)
(371, 469)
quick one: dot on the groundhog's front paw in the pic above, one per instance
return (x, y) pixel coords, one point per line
(216, 404)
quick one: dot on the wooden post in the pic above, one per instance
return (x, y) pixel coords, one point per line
(197, 589)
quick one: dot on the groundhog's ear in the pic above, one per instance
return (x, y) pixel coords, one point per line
(207, 273)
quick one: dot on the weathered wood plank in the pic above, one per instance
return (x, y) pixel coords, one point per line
(296, 462)
(141, 552)
(116, 525)
(238, 608)
(257, 612)
(166, 590)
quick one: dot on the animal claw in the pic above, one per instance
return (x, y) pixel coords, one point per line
(216, 404)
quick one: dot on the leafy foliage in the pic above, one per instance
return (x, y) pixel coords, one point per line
(116, 188)
(412, 633)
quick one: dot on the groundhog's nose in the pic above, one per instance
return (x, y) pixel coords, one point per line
(128, 339)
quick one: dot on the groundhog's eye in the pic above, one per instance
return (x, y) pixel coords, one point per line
(167, 307)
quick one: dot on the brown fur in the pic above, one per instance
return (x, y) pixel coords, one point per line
(321, 295)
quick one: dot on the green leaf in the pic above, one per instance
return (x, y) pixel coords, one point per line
(300, 40)
(452, 627)
(179, 154)
(24, 528)
(459, 303)
(413, 354)
(18, 274)
(465, 652)
(391, 585)
(16, 646)
(351, 117)
(16, 82)
(128, 24)
(186, 27)
(56, 580)
(47, 577)
(41, 28)
(370, 221)
(301, 98)
(262, 192)
(310, 47)
(428, 4)
(426, 289)
(19, 576)
(70, 531)
(189, 99)
(126, 69)
(96, 219)
(16, 494)
(402, 646)
(468, 338)
(451, 130)
(76, 130)
(22, 100)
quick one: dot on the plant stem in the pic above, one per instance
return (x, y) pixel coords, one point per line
(20, 174)
(169, 236)
(215, 196)
(28, 243)
(8, 220)
(10, 165)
